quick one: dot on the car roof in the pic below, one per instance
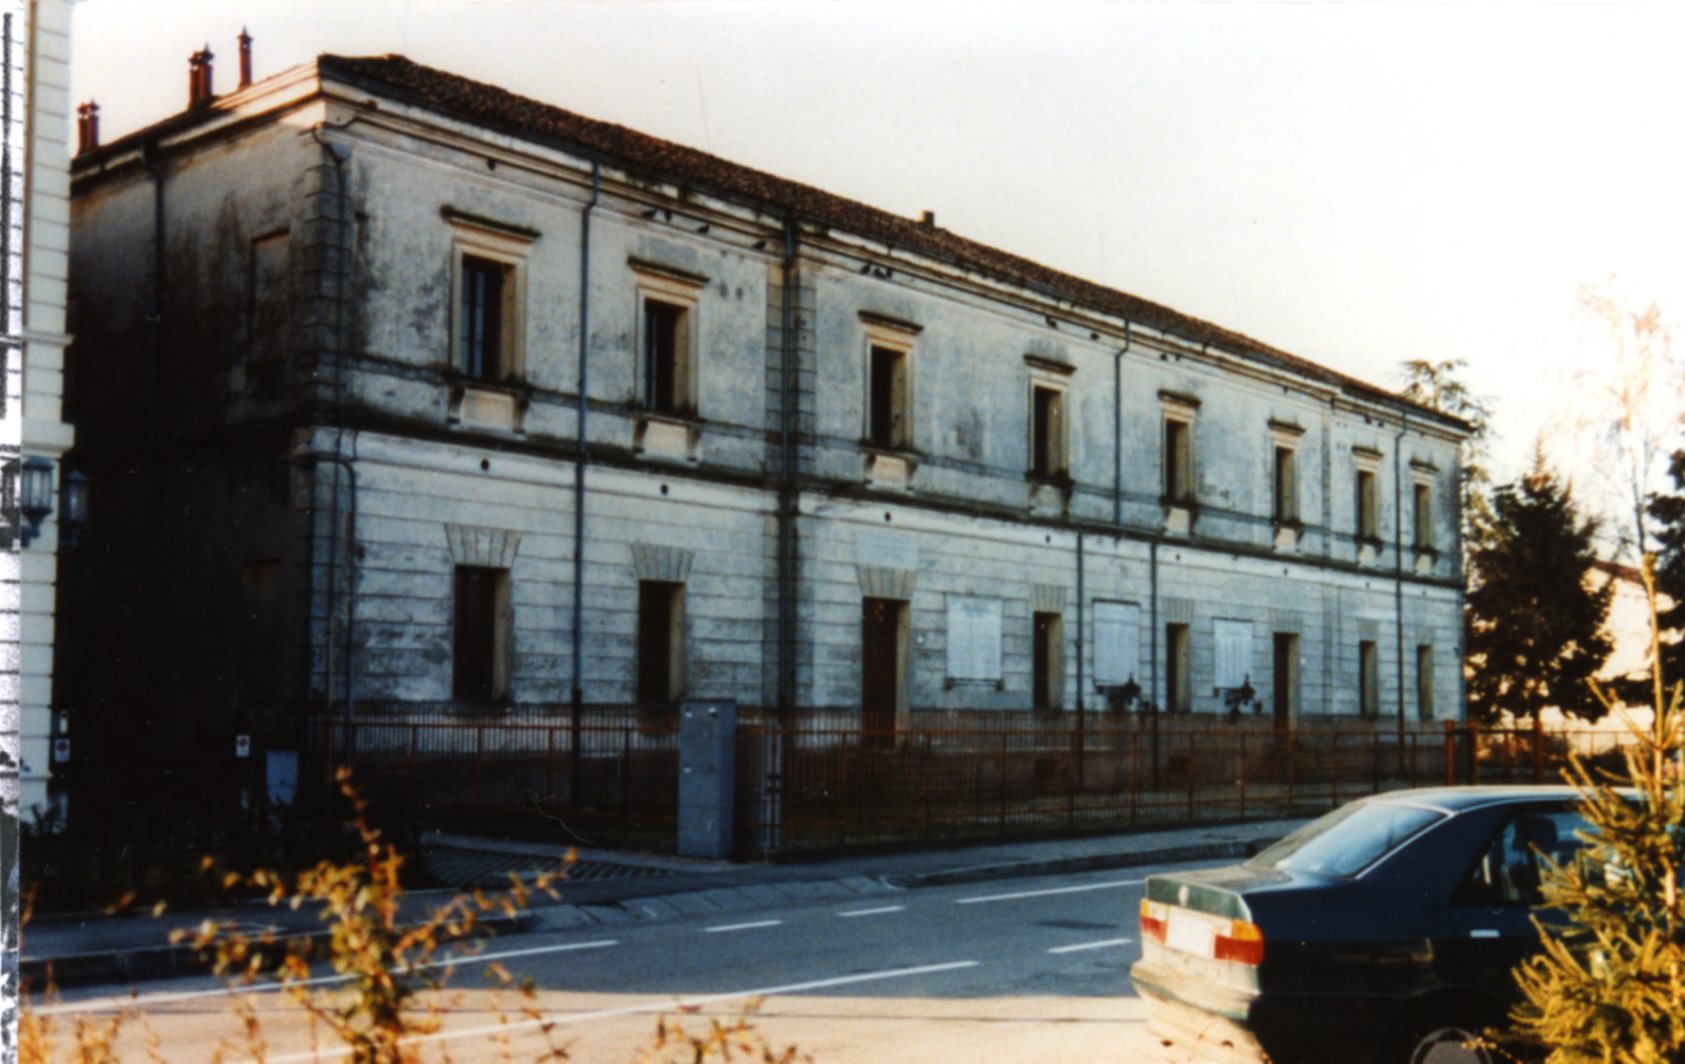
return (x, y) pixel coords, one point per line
(1463, 799)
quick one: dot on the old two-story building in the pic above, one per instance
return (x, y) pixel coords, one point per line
(403, 392)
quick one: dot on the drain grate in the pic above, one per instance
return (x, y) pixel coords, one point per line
(481, 868)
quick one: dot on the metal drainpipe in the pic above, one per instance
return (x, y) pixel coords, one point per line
(154, 323)
(339, 245)
(1460, 703)
(1152, 664)
(349, 465)
(1398, 563)
(155, 311)
(1082, 736)
(1117, 429)
(577, 690)
(1152, 609)
(786, 480)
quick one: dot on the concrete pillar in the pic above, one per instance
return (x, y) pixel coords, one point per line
(707, 745)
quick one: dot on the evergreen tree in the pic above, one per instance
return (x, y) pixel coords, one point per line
(1668, 511)
(1535, 626)
(1609, 985)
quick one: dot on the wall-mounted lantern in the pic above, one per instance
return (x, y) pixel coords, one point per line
(74, 521)
(35, 495)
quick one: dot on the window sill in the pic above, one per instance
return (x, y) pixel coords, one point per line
(1049, 494)
(1179, 515)
(473, 403)
(1427, 559)
(662, 435)
(1288, 533)
(1369, 550)
(887, 468)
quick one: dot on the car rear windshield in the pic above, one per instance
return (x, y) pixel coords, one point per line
(1349, 839)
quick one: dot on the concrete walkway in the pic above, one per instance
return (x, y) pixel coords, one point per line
(606, 887)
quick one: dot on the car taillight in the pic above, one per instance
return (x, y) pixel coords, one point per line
(1155, 917)
(1243, 944)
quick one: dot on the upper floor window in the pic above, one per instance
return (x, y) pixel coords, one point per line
(1286, 485)
(666, 357)
(482, 319)
(1178, 459)
(1368, 506)
(888, 399)
(1284, 472)
(1047, 431)
(1422, 516)
(1422, 495)
(667, 338)
(488, 277)
(266, 314)
(1049, 435)
(1366, 499)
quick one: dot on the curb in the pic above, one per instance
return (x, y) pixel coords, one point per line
(1204, 851)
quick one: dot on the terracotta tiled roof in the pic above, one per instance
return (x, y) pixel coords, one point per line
(499, 109)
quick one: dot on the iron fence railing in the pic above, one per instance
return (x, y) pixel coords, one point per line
(806, 785)
(611, 777)
(819, 781)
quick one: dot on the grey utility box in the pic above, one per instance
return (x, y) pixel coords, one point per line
(707, 737)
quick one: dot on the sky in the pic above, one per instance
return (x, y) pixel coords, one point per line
(1357, 183)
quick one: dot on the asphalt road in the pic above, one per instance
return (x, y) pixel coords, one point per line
(1014, 970)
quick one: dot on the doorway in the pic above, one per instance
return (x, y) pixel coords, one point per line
(1286, 671)
(661, 642)
(1178, 687)
(1048, 662)
(883, 661)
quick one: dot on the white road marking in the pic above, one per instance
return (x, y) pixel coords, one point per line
(876, 912)
(565, 1018)
(170, 997)
(570, 947)
(741, 927)
(1080, 946)
(118, 1004)
(1053, 890)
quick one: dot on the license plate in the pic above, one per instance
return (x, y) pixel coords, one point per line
(1190, 934)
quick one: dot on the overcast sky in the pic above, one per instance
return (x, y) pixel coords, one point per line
(1357, 183)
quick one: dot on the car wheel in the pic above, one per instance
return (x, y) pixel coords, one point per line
(1450, 1037)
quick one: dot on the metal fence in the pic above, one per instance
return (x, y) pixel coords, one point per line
(609, 778)
(808, 785)
(819, 781)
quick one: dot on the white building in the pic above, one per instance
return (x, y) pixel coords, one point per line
(832, 458)
(35, 374)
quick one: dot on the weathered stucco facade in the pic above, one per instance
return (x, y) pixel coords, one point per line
(825, 458)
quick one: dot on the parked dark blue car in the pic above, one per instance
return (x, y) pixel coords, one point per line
(1385, 931)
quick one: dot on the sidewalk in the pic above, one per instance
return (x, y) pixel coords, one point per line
(605, 887)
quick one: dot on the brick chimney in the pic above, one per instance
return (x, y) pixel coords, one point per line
(245, 58)
(199, 78)
(87, 127)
